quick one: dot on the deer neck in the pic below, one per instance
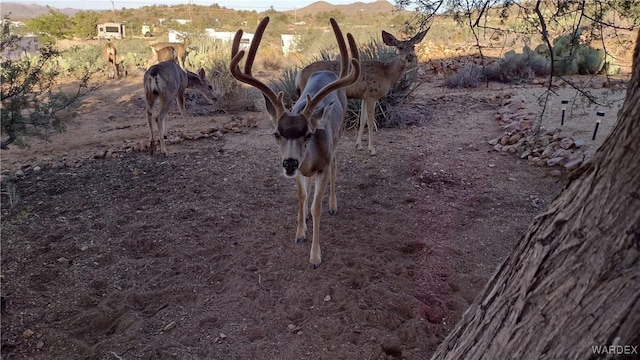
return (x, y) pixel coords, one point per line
(396, 68)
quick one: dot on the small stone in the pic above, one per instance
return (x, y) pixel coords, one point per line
(578, 143)
(170, 326)
(555, 161)
(327, 298)
(19, 173)
(566, 143)
(39, 344)
(27, 333)
(37, 169)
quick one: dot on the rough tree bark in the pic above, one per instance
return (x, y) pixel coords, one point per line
(572, 284)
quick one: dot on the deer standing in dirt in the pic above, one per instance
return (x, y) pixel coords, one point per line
(110, 54)
(376, 80)
(308, 134)
(180, 49)
(167, 81)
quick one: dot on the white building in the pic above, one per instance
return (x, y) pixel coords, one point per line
(27, 45)
(228, 36)
(289, 43)
(111, 30)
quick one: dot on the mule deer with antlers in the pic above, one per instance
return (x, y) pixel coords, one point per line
(180, 49)
(376, 80)
(167, 81)
(110, 55)
(308, 134)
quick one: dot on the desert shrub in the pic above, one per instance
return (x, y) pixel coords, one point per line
(235, 97)
(30, 106)
(467, 77)
(287, 84)
(77, 61)
(513, 68)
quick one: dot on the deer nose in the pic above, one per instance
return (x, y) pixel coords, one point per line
(290, 165)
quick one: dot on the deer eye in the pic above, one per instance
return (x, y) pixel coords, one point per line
(307, 137)
(277, 136)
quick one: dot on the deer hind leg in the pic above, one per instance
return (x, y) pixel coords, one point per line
(150, 101)
(315, 256)
(303, 194)
(162, 124)
(333, 201)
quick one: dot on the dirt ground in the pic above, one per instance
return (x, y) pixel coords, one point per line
(108, 254)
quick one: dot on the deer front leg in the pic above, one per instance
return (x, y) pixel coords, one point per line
(180, 100)
(303, 187)
(363, 121)
(371, 123)
(315, 257)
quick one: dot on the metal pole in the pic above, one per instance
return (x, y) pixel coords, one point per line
(595, 131)
(564, 108)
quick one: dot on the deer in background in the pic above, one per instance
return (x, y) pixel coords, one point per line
(376, 80)
(180, 49)
(167, 54)
(307, 134)
(110, 54)
(167, 81)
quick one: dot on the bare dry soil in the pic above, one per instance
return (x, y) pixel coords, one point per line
(116, 254)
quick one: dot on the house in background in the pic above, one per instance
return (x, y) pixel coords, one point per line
(111, 30)
(26, 45)
(289, 43)
(227, 36)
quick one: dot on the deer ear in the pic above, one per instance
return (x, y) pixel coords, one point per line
(270, 107)
(202, 74)
(319, 116)
(389, 39)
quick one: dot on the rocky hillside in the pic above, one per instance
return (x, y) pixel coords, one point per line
(356, 8)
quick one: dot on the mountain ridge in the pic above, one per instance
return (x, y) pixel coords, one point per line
(18, 11)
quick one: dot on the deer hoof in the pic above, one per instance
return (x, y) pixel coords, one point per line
(372, 152)
(333, 212)
(314, 266)
(300, 240)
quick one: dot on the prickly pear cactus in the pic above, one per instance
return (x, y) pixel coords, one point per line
(572, 57)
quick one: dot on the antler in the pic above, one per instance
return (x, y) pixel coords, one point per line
(346, 77)
(246, 76)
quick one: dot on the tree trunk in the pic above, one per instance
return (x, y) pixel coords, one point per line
(572, 284)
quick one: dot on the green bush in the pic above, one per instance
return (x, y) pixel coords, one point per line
(30, 106)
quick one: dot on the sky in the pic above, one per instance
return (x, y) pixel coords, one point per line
(258, 5)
